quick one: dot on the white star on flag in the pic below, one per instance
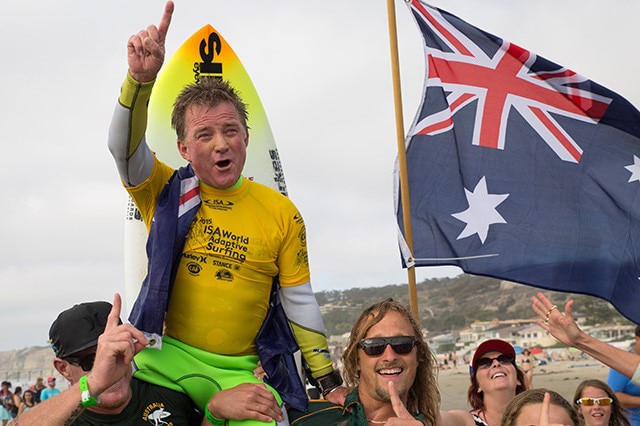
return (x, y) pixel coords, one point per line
(481, 212)
(634, 169)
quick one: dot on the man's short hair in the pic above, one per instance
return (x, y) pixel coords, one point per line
(209, 92)
(637, 330)
(423, 396)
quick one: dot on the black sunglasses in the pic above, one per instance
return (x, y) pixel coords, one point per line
(503, 359)
(85, 361)
(375, 346)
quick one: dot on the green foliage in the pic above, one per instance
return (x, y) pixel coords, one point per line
(447, 304)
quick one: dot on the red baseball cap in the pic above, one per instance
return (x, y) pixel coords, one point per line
(51, 379)
(492, 345)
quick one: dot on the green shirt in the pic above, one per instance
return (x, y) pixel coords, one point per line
(325, 413)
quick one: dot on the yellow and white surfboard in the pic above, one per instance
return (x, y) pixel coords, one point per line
(206, 52)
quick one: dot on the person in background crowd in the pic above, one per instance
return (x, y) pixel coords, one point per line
(5, 389)
(495, 380)
(540, 407)
(28, 401)
(50, 391)
(627, 392)
(6, 402)
(37, 388)
(598, 405)
(17, 400)
(527, 365)
(5, 410)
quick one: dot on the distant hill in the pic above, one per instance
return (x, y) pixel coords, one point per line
(22, 366)
(445, 304)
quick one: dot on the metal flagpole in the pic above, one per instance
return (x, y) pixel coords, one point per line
(402, 158)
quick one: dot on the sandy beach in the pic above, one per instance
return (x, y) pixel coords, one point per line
(560, 376)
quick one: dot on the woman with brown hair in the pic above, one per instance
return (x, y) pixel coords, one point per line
(28, 401)
(495, 381)
(598, 404)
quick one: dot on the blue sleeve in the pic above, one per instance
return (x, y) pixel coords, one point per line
(617, 381)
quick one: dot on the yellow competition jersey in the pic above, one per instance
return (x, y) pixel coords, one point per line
(240, 239)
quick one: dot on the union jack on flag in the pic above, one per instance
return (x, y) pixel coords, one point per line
(522, 169)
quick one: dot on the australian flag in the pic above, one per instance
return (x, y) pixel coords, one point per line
(521, 169)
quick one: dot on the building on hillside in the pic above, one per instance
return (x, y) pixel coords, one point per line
(534, 336)
(610, 332)
(436, 342)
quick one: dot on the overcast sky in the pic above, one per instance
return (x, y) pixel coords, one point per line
(323, 73)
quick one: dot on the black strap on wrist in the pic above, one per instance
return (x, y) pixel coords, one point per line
(329, 382)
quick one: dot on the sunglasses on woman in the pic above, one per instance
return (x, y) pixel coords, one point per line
(503, 359)
(375, 346)
(603, 402)
(85, 361)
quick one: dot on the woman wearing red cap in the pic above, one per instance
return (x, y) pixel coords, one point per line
(495, 380)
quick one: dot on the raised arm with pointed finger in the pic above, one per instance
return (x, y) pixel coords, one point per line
(145, 56)
(107, 380)
(145, 50)
(116, 349)
(563, 327)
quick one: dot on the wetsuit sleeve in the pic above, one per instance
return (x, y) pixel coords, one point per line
(127, 143)
(302, 309)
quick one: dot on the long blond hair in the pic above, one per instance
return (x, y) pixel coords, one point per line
(423, 396)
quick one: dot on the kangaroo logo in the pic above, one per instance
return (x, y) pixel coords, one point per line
(157, 415)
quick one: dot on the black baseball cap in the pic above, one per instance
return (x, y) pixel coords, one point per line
(78, 328)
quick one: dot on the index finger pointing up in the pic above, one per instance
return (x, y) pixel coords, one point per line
(544, 410)
(163, 27)
(396, 403)
(113, 320)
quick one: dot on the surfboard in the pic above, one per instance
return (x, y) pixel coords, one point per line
(205, 53)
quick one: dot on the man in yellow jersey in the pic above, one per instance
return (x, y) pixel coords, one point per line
(216, 243)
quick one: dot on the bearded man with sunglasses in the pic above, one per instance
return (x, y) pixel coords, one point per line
(391, 373)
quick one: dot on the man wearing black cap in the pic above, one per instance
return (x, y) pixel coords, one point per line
(94, 351)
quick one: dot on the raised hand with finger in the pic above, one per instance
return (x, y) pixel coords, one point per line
(116, 349)
(558, 415)
(146, 49)
(403, 417)
(560, 324)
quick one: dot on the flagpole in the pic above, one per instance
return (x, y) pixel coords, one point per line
(402, 157)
